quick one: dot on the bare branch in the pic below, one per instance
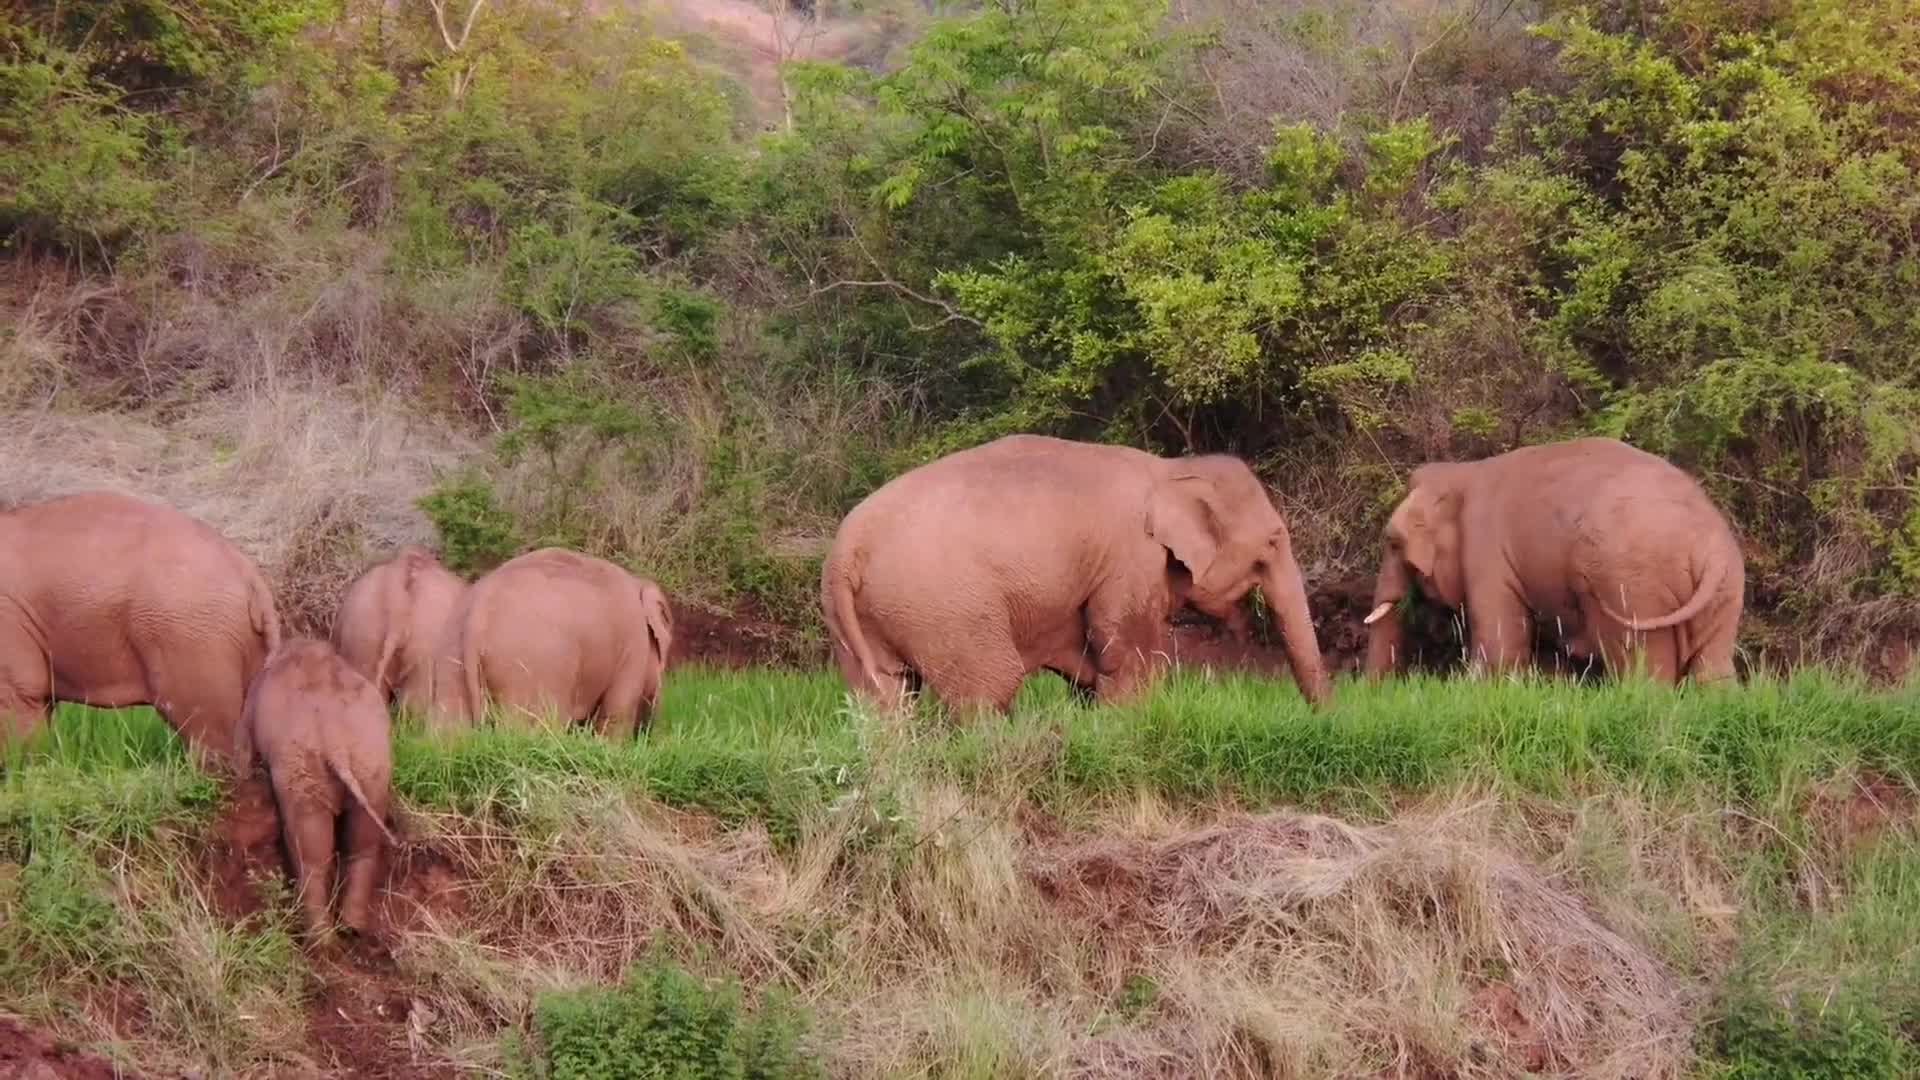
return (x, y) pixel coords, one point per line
(953, 313)
(440, 20)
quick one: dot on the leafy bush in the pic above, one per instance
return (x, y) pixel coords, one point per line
(665, 1023)
(475, 533)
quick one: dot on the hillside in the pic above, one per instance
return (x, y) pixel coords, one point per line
(677, 283)
(609, 275)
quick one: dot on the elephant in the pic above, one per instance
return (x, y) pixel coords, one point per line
(1616, 550)
(113, 600)
(391, 621)
(1030, 553)
(557, 631)
(321, 729)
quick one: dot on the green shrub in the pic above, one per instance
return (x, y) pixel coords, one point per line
(475, 533)
(1854, 1034)
(667, 1024)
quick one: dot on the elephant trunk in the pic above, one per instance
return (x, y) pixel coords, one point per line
(1286, 596)
(1385, 634)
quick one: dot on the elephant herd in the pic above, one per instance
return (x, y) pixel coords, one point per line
(963, 576)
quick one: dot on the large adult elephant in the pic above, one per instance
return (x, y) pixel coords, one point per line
(555, 632)
(1615, 549)
(112, 600)
(391, 621)
(1029, 552)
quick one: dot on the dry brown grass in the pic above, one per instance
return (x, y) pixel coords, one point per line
(1287, 60)
(1153, 942)
(296, 448)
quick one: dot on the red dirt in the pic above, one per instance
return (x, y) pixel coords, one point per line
(27, 1054)
(1523, 1045)
(364, 1017)
(733, 640)
(1858, 812)
(366, 1023)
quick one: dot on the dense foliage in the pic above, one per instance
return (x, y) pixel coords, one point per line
(1452, 229)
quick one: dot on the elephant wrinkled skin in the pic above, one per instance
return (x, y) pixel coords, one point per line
(392, 619)
(321, 729)
(1031, 552)
(1615, 549)
(554, 631)
(113, 601)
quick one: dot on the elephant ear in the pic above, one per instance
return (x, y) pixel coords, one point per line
(1181, 518)
(1430, 535)
(659, 619)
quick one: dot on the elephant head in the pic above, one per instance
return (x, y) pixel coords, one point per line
(1421, 544)
(1214, 516)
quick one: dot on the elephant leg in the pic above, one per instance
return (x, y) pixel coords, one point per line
(1661, 655)
(311, 839)
(202, 706)
(625, 711)
(1065, 652)
(888, 692)
(1123, 640)
(1712, 661)
(362, 872)
(1500, 630)
(986, 681)
(26, 686)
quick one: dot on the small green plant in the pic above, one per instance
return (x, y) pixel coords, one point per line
(476, 533)
(666, 1023)
(1854, 1035)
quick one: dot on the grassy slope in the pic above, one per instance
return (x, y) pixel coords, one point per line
(1515, 874)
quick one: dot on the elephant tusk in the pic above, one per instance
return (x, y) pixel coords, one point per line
(1378, 613)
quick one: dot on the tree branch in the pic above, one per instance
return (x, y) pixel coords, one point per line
(440, 20)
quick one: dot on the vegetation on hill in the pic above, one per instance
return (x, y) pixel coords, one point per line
(337, 274)
(297, 264)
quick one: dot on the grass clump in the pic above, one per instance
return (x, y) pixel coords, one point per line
(665, 1022)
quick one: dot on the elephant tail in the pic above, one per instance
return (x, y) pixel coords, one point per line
(470, 633)
(837, 597)
(345, 772)
(261, 610)
(1718, 566)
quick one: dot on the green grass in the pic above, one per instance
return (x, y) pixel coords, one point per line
(765, 745)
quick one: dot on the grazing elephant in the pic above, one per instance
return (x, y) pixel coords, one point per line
(1029, 552)
(391, 619)
(113, 601)
(321, 729)
(1616, 550)
(556, 631)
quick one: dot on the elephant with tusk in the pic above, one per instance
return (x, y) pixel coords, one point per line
(1618, 550)
(1034, 553)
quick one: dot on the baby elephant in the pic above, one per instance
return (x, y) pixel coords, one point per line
(322, 730)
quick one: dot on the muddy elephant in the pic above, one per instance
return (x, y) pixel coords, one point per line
(1615, 551)
(321, 730)
(1030, 553)
(391, 620)
(113, 601)
(555, 633)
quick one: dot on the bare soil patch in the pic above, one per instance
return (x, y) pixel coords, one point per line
(30, 1054)
(736, 639)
